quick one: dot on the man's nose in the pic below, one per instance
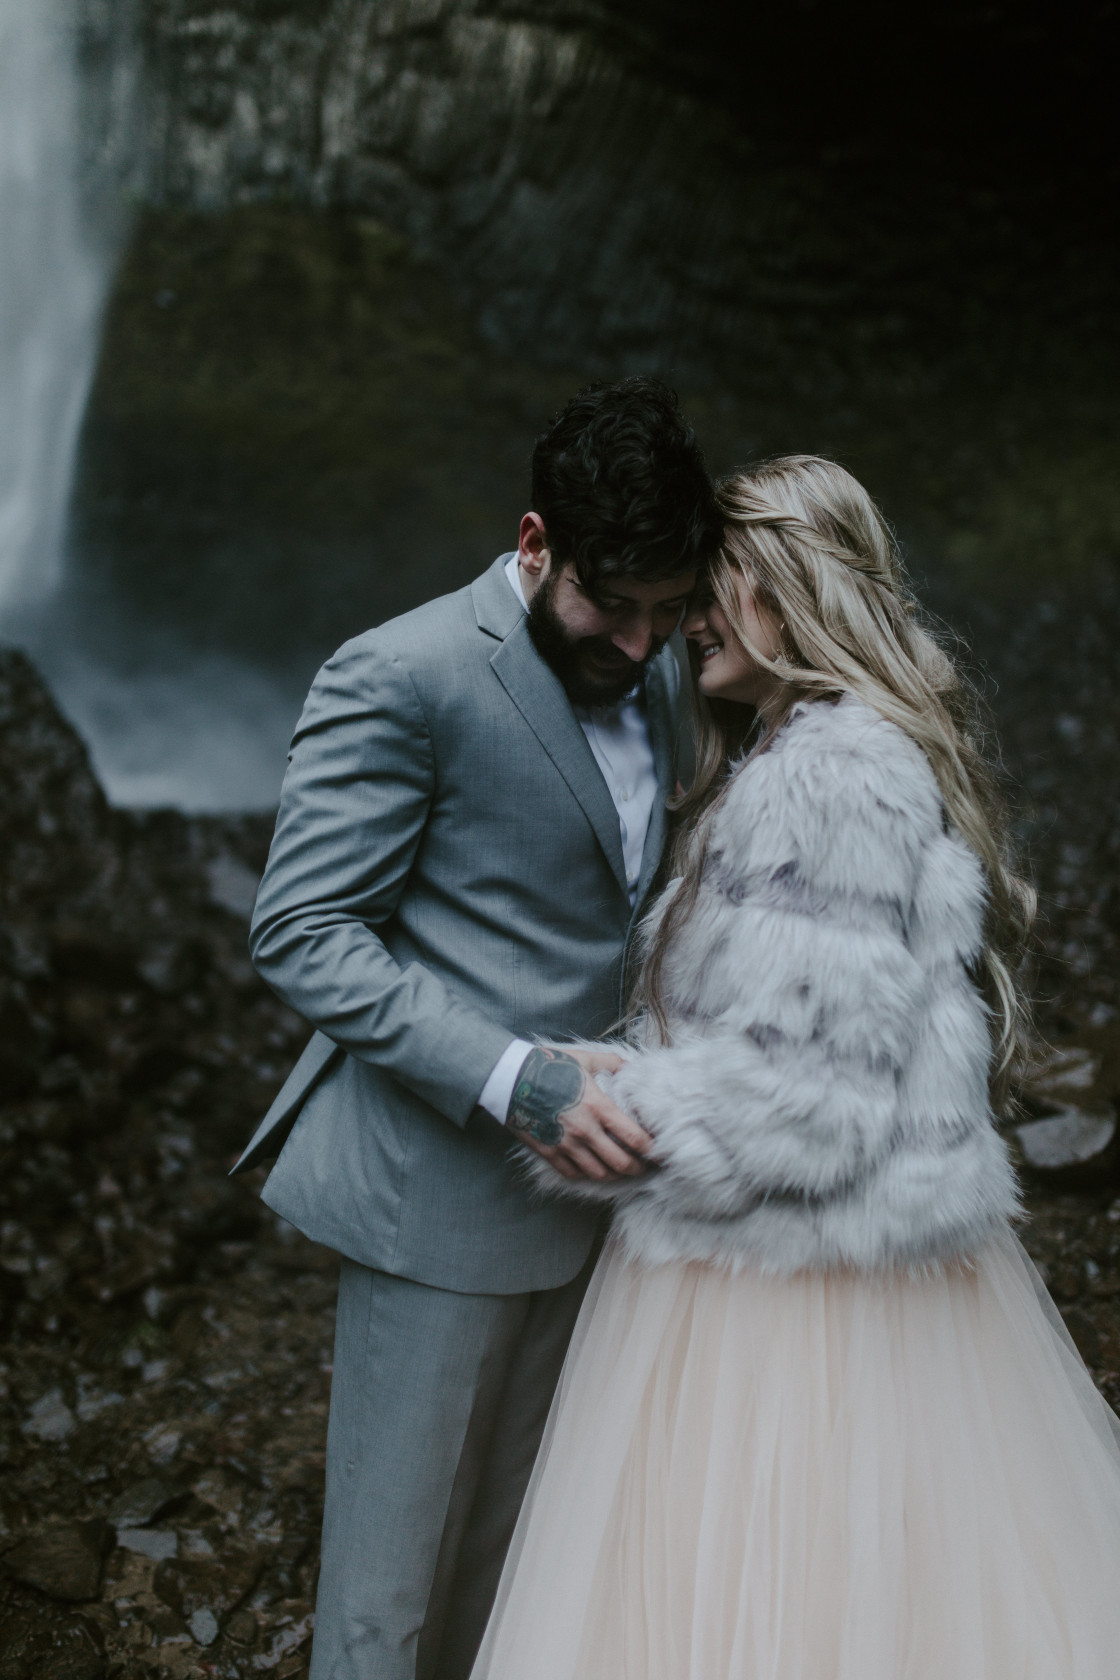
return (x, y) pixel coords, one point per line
(635, 640)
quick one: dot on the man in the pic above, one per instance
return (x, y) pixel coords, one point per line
(473, 813)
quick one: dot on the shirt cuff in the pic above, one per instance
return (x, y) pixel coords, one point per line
(498, 1089)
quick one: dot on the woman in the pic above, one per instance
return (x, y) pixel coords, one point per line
(819, 1420)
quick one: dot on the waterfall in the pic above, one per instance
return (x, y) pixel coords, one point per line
(53, 277)
(165, 725)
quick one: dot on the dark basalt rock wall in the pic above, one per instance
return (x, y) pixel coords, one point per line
(574, 200)
(853, 225)
(615, 183)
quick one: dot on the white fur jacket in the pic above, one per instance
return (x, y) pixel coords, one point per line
(824, 1098)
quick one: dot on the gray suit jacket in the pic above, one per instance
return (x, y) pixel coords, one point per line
(446, 875)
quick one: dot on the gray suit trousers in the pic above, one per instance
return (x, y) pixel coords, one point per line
(438, 1404)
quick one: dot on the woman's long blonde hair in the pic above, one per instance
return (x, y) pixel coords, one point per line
(821, 562)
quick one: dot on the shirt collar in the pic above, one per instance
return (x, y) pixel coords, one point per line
(513, 573)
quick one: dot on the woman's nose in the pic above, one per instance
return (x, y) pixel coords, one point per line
(693, 623)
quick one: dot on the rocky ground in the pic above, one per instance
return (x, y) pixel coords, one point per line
(164, 1378)
(166, 1369)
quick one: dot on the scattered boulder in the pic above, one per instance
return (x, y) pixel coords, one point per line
(55, 822)
(232, 884)
(242, 1627)
(158, 1544)
(145, 1501)
(204, 1627)
(191, 1586)
(50, 1418)
(1072, 1149)
(1066, 1075)
(64, 1560)
(291, 1634)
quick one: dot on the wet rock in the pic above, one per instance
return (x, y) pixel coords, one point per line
(168, 1628)
(232, 884)
(203, 1625)
(34, 1646)
(221, 1490)
(155, 1543)
(288, 1635)
(1066, 1074)
(242, 1627)
(153, 1257)
(172, 966)
(54, 817)
(191, 1585)
(65, 1561)
(163, 1445)
(1072, 1149)
(50, 1418)
(92, 1401)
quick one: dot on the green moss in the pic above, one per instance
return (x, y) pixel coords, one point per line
(1054, 514)
(296, 432)
(281, 338)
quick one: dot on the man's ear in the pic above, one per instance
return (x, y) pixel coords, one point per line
(532, 548)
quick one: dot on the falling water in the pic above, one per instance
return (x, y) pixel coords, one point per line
(53, 275)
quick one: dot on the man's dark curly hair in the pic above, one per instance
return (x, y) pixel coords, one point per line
(620, 482)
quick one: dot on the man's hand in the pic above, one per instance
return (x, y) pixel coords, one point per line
(558, 1110)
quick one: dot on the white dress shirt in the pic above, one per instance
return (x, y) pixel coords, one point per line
(619, 738)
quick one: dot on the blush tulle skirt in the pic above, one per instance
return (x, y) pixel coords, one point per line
(826, 1477)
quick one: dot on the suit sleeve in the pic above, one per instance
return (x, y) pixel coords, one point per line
(355, 801)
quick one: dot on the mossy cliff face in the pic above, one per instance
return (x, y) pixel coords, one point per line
(522, 149)
(294, 433)
(755, 199)
(297, 428)
(846, 231)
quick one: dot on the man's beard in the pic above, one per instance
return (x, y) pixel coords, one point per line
(593, 671)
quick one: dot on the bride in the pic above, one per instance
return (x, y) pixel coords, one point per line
(819, 1420)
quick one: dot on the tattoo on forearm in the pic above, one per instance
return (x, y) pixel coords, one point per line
(549, 1084)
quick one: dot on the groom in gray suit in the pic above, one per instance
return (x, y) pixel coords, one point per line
(472, 817)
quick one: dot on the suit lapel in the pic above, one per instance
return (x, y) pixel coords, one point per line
(496, 607)
(540, 698)
(662, 738)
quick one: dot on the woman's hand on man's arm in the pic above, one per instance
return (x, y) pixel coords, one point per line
(559, 1111)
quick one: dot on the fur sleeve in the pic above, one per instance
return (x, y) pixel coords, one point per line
(794, 997)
